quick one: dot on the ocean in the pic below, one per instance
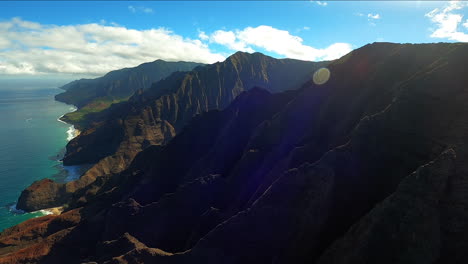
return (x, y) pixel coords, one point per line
(32, 142)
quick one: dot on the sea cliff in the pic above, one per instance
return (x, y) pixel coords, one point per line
(367, 167)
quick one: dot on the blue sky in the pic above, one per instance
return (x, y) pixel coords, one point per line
(38, 34)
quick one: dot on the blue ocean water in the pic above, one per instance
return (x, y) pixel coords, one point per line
(32, 141)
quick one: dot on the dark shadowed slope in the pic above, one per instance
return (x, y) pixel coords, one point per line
(368, 167)
(154, 116)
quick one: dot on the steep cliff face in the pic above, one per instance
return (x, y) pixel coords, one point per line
(155, 115)
(120, 83)
(369, 167)
(150, 116)
(94, 96)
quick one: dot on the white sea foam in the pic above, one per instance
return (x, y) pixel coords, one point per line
(72, 109)
(71, 133)
(58, 119)
(15, 210)
(44, 212)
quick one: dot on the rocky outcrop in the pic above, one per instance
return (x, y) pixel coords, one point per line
(34, 239)
(41, 194)
(359, 169)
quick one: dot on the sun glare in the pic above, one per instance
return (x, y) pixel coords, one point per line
(321, 76)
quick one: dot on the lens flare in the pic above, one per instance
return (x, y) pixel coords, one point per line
(321, 76)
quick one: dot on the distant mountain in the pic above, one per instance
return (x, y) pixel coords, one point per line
(155, 115)
(368, 167)
(120, 83)
(93, 96)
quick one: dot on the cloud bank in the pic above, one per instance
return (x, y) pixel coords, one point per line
(31, 48)
(277, 41)
(93, 49)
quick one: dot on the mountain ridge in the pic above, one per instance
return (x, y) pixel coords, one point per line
(149, 72)
(155, 115)
(320, 174)
(93, 96)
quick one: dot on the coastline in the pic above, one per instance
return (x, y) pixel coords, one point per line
(52, 211)
(75, 171)
(72, 132)
(72, 172)
(68, 173)
(43, 212)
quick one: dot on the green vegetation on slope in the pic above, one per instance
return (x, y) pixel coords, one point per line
(81, 118)
(92, 96)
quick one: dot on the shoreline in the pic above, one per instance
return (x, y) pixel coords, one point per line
(72, 132)
(72, 172)
(51, 211)
(48, 211)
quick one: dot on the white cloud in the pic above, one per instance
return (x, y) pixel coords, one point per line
(448, 22)
(25, 24)
(229, 39)
(306, 28)
(27, 47)
(321, 3)
(90, 49)
(371, 18)
(277, 41)
(136, 9)
(202, 35)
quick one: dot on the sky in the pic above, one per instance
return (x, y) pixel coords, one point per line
(72, 39)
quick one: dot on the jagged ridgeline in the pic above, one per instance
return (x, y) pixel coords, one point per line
(368, 167)
(92, 96)
(155, 115)
(120, 83)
